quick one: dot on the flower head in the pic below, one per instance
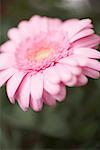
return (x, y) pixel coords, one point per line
(43, 55)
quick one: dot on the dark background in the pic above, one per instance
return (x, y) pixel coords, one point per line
(72, 124)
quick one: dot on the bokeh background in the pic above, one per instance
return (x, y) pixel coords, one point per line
(72, 124)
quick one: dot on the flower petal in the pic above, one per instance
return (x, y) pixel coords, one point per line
(81, 80)
(36, 87)
(6, 74)
(24, 28)
(36, 104)
(23, 93)
(71, 82)
(63, 72)
(8, 46)
(82, 61)
(49, 99)
(13, 84)
(91, 73)
(71, 60)
(74, 70)
(61, 95)
(82, 34)
(6, 60)
(15, 35)
(94, 64)
(51, 88)
(35, 23)
(87, 52)
(78, 26)
(90, 41)
(51, 75)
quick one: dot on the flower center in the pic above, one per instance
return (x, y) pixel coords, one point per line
(41, 52)
(38, 55)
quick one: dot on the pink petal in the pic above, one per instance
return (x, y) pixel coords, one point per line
(70, 22)
(36, 87)
(74, 70)
(91, 73)
(63, 72)
(23, 93)
(81, 80)
(87, 52)
(71, 60)
(49, 99)
(82, 61)
(51, 88)
(52, 23)
(13, 84)
(8, 46)
(90, 41)
(67, 25)
(51, 75)
(15, 35)
(6, 60)
(61, 95)
(82, 34)
(36, 104)
(94, 64)
(71, 82)
(35, 23)
(6, 74)
(75, 28)
(24, 28)
(44, 24)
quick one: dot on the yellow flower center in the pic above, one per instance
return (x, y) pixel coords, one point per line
(38, 55)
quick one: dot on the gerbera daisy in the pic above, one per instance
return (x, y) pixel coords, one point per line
(43, 55)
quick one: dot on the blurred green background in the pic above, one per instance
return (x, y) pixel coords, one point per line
(72, 124)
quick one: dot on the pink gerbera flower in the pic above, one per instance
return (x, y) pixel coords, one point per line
(44, 55)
